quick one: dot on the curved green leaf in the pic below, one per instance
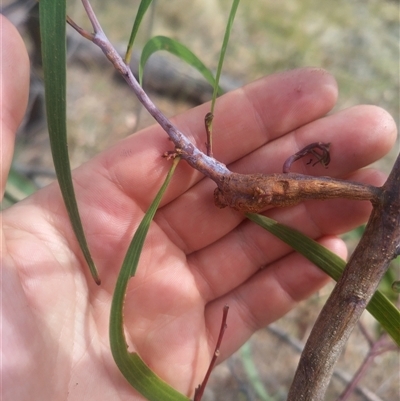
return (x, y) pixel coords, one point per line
(225, 42)
(178, 49)
(131, 366)
(144, 5)
(380, 307)
(52, 31)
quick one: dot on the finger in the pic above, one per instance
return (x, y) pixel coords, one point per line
(245, 120)
(358, 136)
(14, 91)
(267, 296)
(188, 218)
(263, 111)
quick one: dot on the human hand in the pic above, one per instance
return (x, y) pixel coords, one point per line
(196, 258)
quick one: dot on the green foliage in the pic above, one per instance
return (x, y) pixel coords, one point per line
(225, 42)
(178, 49)
(53, 38)
(131, 366)
(380, 306)
(144, 5)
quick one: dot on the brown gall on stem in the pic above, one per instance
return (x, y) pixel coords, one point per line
(255, 193)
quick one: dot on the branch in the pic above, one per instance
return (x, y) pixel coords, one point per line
(366, 267)
(200, 390)
(340, 374)
(197, 159)
(244, 192)
(383, 344)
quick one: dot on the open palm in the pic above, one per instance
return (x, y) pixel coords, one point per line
(196, 258)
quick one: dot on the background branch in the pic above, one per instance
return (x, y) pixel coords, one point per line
(370, 260)
(339, 374)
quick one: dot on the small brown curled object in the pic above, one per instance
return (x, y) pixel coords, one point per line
(319, 150)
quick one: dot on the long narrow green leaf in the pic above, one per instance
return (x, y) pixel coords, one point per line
(144, 5)
(178, 49)
(209, 117)
(52, 32)
(131, 366)
(225, 42)
(380, 307)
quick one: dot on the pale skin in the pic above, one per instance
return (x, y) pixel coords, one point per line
(196, 259)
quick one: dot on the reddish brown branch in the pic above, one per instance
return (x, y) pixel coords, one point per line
(200, 390)
(208, 123)
(378, 347)
(81, 31)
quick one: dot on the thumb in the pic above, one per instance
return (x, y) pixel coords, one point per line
(14, 85)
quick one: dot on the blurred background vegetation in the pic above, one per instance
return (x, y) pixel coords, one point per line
(355, 40)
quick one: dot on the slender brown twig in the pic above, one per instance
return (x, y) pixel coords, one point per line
(200, 390)
(208, 124)
(383, 344)
(340, 374)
